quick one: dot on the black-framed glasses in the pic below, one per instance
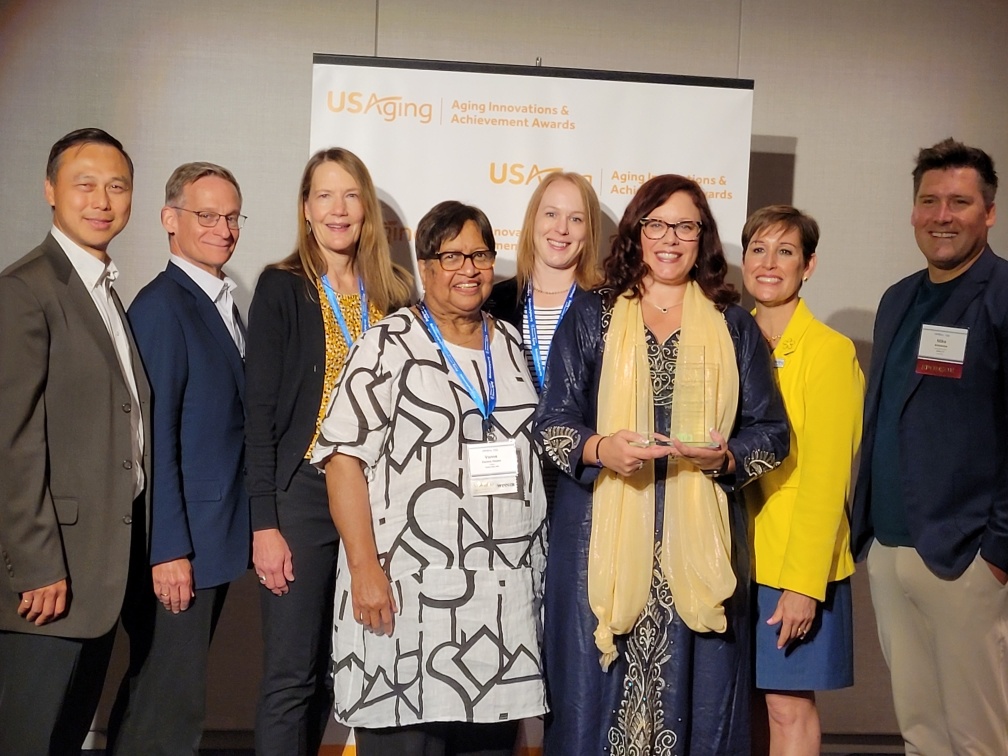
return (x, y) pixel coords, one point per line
(208, 219)
(656, 228)
(482, 259)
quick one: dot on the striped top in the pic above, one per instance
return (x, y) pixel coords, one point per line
(547, 319)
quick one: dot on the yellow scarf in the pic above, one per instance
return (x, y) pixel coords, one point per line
(696, 540)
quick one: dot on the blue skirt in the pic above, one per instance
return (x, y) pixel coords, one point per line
(823, 660)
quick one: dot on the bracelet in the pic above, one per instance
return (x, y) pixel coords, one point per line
(719, 471)
(598, 460)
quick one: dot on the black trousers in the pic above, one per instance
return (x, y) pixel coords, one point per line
(296, 696)
(50, 686)
(438, 739)
(49, 691)
(161, 705)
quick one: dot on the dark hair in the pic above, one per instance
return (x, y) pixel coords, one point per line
(444, 221)
(790, 218)
(949, 153)
(625, 268)
(77, 138)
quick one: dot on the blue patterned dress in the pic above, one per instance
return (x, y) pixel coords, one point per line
(671, 691)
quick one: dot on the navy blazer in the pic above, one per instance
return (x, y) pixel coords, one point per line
(953, 434)
(199, 508)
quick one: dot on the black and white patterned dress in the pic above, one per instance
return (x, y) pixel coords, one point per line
(466, 570)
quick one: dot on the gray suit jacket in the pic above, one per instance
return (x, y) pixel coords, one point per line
(66, 483)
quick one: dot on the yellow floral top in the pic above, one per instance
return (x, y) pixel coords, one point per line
(336, 348)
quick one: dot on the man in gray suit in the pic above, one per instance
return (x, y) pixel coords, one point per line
(72, 505)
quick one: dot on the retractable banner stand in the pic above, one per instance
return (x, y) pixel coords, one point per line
(486, 135)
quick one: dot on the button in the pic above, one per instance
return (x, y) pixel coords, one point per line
(128, 520)
(127, 408)
(127, 464)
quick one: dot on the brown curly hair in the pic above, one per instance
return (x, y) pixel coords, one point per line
(625, 268)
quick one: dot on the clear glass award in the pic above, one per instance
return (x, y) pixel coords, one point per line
(695, 397)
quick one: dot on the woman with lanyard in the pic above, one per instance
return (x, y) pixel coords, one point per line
(557, 262)
(437, 496)
(306, 312)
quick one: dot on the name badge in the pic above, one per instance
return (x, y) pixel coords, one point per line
(493, 468)
(942, 351)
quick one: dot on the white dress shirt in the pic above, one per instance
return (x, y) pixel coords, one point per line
(98, 279)
(220, 291)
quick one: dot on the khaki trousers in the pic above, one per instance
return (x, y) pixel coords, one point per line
(946, 644)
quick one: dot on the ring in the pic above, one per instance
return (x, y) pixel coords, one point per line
(27, 601)
(262, 578)
(640, 465)
(164, 595)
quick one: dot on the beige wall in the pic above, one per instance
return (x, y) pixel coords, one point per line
(846, 92)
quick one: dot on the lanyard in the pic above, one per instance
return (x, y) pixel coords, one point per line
(334, 303)
(530, 318)
(485, 408)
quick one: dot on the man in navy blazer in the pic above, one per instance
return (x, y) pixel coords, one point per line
(191, 340)
(930, 510)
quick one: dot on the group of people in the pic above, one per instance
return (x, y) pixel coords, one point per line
(599, 492)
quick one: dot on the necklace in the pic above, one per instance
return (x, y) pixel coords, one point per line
(543, 291)
(664, 310)
(771, 340)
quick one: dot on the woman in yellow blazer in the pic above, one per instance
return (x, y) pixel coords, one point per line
(800, 533)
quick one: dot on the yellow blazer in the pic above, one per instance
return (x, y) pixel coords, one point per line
(798, 519)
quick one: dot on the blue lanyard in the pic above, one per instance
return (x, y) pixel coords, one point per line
(334, 303)
(537, 360)
(485, 408)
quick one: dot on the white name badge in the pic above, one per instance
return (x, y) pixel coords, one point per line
(493, 468)
(942, 351)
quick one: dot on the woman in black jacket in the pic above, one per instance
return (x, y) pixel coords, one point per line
(306, 312)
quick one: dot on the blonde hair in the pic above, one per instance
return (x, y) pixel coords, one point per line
(587, 272)
(388, 286)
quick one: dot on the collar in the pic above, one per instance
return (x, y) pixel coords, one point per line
(801, 318)
(91, 270)
(212, 286)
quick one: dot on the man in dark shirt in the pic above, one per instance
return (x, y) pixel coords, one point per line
(931, 505)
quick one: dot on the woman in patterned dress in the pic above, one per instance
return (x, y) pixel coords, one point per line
(646, 606)
(307, 310)
(437, 495)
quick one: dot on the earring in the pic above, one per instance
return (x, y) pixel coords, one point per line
(805, 279)
(308, 229)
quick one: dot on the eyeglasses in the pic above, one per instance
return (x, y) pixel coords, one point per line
(210, 220)
(655, 229)
(482, 259)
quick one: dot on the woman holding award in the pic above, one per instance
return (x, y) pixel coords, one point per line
(436, 492)
(801, 550)
(647, 577)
